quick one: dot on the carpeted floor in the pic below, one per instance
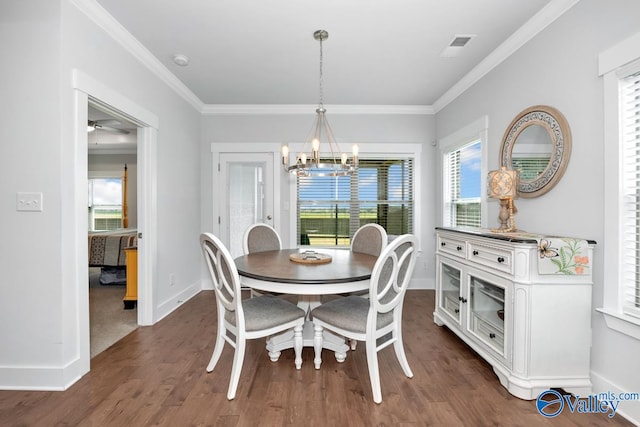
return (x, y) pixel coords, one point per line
(109, 322)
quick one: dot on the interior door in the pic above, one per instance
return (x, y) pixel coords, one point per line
(246, 195)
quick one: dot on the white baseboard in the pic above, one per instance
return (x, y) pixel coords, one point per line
(628, 409)
(54, 378)
(175, 301)
(41, 378)
(207, 285)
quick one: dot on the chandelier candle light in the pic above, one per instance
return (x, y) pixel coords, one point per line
(503, 185)
(333, 163)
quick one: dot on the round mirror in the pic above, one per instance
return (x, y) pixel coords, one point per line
(537, 144)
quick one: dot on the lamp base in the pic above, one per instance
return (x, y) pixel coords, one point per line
(504, 230)
(506, 216)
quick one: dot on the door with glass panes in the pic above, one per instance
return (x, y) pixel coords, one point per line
(246, 195)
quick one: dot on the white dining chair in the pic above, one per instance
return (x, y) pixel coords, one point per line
(240, 320)
(260, 237)
(369, 239)
(376, 320)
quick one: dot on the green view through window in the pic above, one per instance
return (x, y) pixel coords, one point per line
(331, 209)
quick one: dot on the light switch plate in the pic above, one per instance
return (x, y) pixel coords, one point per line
(29, 202)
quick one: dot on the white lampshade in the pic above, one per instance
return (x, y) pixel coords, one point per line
(502, 184)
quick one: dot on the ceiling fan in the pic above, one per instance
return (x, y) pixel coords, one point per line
(106, 125)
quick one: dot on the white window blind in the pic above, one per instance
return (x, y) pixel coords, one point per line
(461, 183)
(530, 168)
(630, 115)
(331, 209)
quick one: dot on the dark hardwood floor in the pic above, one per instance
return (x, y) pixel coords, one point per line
(156, 376)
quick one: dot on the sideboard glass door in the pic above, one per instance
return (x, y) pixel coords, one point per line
(450, 290)
(487, 312)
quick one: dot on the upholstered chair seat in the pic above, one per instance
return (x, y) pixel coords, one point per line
(350, 313)
(265, 312)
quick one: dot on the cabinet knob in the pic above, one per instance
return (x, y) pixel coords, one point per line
(475, 252)
(464, 300)
(443, 244)
(459, 248)
(492, 335)
(460, 298)
(500, 259)
(457, 310)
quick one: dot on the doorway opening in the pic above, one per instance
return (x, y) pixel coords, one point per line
(112, 227)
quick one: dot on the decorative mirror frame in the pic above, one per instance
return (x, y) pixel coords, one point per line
(556, 125)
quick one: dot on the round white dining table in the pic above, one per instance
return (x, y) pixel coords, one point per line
(274, 271)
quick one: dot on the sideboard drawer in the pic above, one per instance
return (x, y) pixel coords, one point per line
(493, 257)
(451, 246)
(488, 333)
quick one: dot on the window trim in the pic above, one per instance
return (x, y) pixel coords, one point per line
(609, 63)
(476, 130)
(383, 150)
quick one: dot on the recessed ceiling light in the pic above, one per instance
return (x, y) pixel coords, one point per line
(181, 60)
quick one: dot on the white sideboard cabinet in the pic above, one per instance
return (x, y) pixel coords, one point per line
(522, 301)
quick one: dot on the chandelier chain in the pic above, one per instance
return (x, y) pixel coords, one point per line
(321, 76)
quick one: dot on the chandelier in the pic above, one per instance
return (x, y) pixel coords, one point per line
(333, 162)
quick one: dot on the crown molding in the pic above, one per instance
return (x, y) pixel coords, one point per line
(96, 13)
(538, 22)
(241, 109)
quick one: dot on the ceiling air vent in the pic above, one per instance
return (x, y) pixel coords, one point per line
(456, 45)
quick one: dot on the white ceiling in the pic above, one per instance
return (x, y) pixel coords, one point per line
(108, 136)
(379, 52)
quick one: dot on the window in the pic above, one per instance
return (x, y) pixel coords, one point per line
(463, 174)
(331, 209)
(105, 204)
(630, 141)
(462, 185)
(620, 68)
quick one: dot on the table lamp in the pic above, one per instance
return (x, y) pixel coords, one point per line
(503, 185)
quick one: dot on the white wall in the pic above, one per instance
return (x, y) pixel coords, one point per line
(30, 161)
(559, 68)
(348, 129)
(43, 347)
